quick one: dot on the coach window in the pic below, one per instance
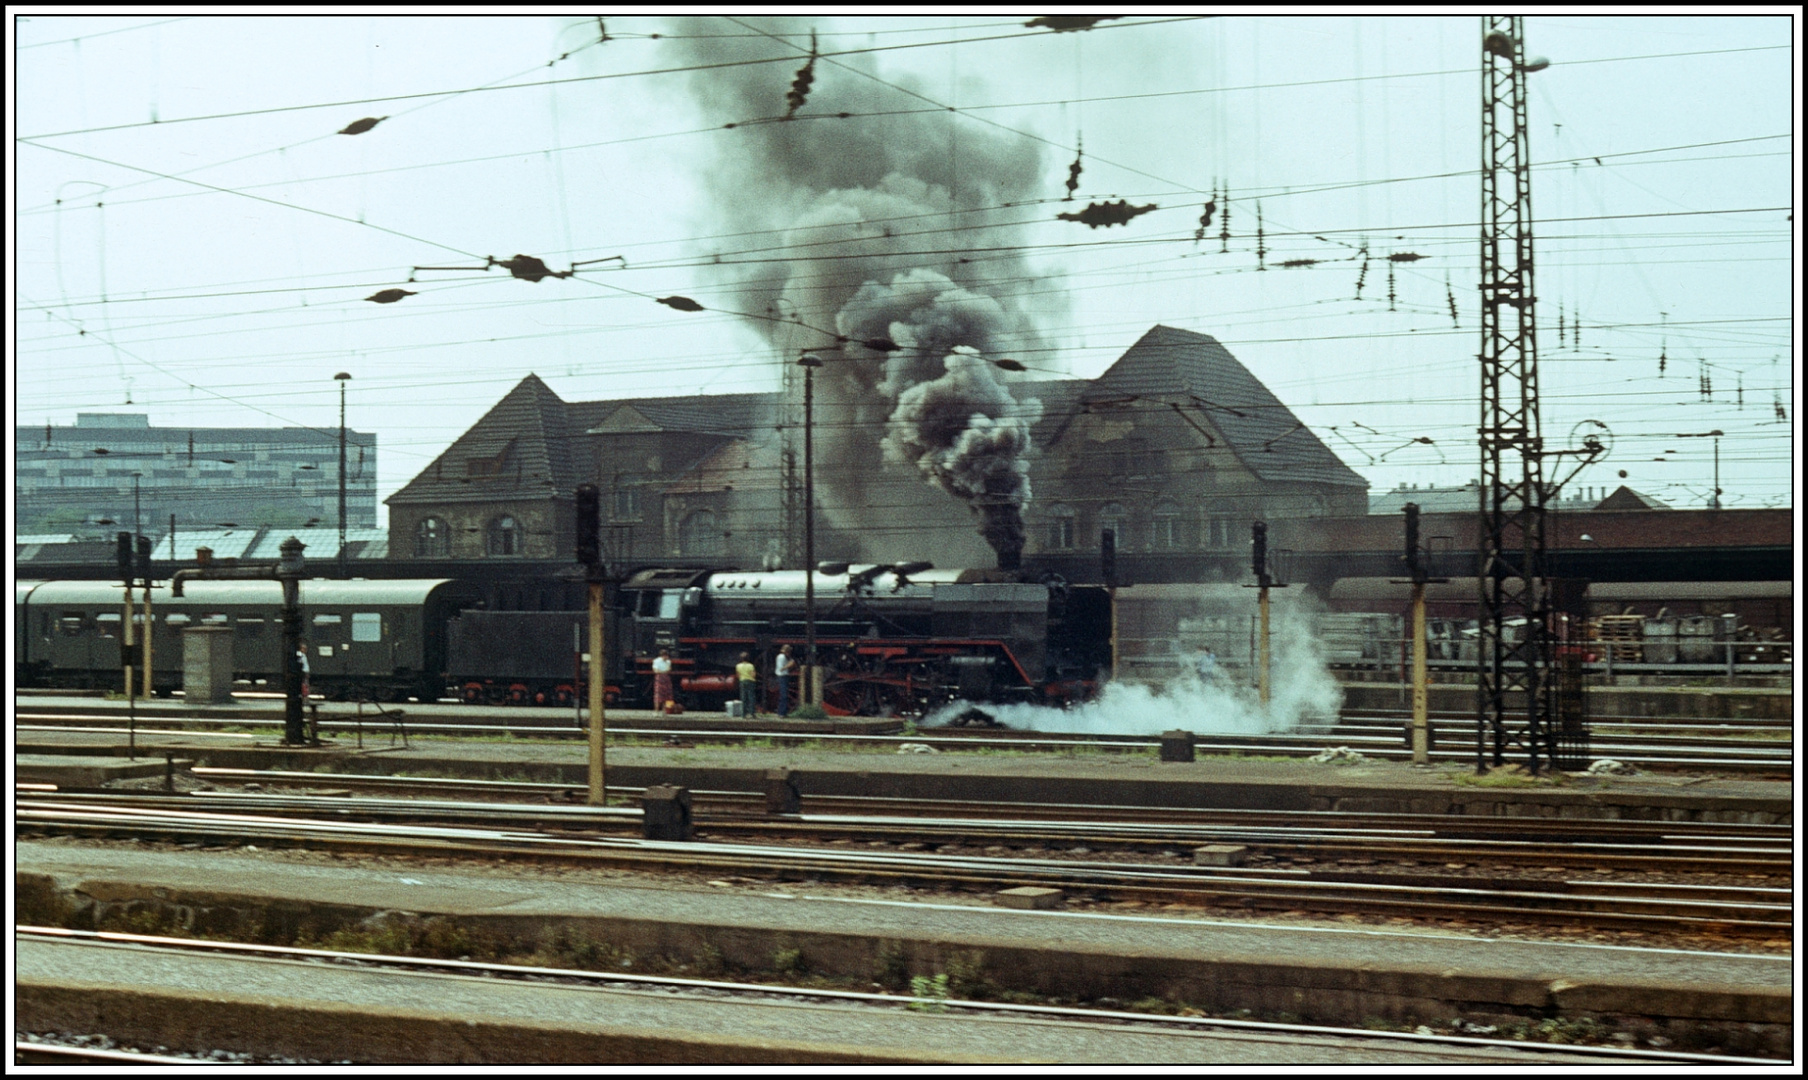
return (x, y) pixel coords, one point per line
(367, 626)
(72, 623)
(107, 623)
(1060, 527)
(250, 626)
(698, 534)
(215, 618)
(1112, 516)
(504, 536)
(432, 539)
(176, 621)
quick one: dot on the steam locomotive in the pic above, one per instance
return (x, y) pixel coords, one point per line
(890, 639)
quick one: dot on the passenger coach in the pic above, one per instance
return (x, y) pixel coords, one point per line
(384, 640)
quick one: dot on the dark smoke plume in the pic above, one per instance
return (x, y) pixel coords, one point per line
(893, 200)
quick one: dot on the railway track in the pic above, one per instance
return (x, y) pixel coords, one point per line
(1050, 1017)
(1659, 751)
(794, 849)
(1617, 843)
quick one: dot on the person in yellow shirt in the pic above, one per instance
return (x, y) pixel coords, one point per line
(750, 683)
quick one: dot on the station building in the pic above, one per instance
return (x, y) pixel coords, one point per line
(1176, 447)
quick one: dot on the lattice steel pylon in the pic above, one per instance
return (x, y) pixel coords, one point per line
(1514, 654)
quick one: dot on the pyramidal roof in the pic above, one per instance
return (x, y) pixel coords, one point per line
(520, 446)
(1175, 365)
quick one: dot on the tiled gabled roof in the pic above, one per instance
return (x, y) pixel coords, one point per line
(1172, 365)
(698, 414)
(519, 449)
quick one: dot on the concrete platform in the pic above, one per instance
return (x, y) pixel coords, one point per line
(270, 711)
(70, 770)
(309, 1010)
(1322, 974)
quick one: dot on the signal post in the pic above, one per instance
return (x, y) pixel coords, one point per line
(1258, 563)
(1414, 559)
(128, 643)
(589, 552)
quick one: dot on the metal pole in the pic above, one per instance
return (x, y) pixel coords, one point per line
(288, 571)
(1262, 603)
(131, 683)
(150, 685)
(1111, 592)
(1716, 472)
(342, 378)
(810, 687)
(598, 764)
(1421, 731)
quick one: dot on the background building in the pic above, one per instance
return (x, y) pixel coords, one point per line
(70, 481)
(1177, 447)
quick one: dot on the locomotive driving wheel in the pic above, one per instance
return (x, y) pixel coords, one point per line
(869, 697)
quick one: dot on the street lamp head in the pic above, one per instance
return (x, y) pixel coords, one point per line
(1007, 364)
(809, 361)
(342, 376)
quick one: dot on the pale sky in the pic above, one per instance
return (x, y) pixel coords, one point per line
(191, 235)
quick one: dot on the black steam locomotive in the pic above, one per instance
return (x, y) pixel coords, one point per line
(890, 639)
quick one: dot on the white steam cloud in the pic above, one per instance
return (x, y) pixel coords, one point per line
(1228, 703)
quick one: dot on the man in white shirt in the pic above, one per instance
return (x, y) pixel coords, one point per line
(781, 670)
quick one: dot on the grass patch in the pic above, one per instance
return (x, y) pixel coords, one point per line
(935, 989)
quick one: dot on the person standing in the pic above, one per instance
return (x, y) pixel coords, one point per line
(301, 661)
(662, 681)
(1207, 665)
(749, 677)
(781, 670)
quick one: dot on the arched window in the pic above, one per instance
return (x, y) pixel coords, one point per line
(1060, 527)
(1169, 535)
(504, 536)
(432, 539)
(699, 535)
(1113, 516)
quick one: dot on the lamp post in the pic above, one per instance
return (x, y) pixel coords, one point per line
(342, 378)
(809, 363)
(1714, 502)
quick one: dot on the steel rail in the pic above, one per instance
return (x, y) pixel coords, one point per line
(1168, 825)
(1409, 838)
(26, 1052)
(412, 811)
(1197, 884)
(1051, 1012)
(1769, 758)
